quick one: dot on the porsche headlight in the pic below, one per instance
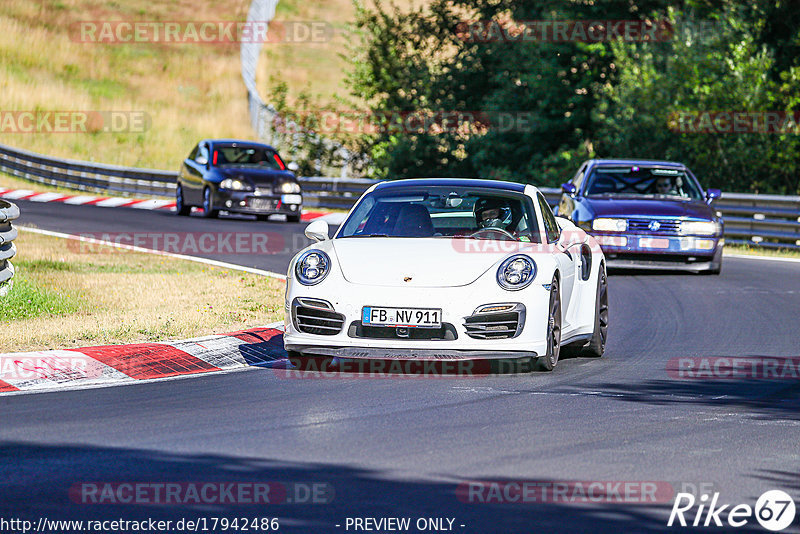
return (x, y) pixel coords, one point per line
(312, 267)
(610, 225)
(289, 187)
(699, 227)
(516, 272)
(235, 184)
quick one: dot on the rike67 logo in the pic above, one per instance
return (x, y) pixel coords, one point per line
(774, 511)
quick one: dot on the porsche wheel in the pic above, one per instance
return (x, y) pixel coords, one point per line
(597, 345)
(549, 360)
(295, 218)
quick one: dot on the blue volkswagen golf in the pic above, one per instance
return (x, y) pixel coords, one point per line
(646, 214)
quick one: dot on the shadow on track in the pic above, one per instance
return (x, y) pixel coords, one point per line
(36, 481)
(759, 398)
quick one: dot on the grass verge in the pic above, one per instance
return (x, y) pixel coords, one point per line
(761, 251)
(65, 298)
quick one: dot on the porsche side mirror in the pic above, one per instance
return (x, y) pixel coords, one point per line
(570, 189)
(317, 231)
(569, 237)
(713, 194)
(294, 167)
(202, 160)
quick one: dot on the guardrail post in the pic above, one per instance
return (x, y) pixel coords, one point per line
(8, 212)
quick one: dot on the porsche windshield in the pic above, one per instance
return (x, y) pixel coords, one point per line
(444, 212)
(642, 182)
(246, 156)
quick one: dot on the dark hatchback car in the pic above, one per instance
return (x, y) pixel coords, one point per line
(237, 177)
(646, 214)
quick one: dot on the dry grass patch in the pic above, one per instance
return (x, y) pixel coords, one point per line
(119, 296)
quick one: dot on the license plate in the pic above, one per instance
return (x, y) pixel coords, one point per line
(262, 204)
(653, 242)
(291, 199)
(410, 317)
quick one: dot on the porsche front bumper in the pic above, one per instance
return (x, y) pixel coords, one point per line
(457, 339)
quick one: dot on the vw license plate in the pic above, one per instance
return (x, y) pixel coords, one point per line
(412, 317)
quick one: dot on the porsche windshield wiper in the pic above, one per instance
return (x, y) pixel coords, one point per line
(369, 235)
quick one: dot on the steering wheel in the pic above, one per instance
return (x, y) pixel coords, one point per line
(502, 231)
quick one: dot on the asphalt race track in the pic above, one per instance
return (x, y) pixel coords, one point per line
(400, 447)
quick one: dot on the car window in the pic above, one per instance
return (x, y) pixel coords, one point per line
(202, 153)
(642, 182)
(193, 153)
(578, 180)
(455, 212)
(549, 220)
(247, 156)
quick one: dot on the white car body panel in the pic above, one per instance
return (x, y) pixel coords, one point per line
(456, 275)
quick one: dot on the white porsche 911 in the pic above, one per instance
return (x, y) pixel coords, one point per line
(443, 269)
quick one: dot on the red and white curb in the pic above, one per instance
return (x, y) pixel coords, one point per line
(86, 200)
(116, 365)
(121, 202)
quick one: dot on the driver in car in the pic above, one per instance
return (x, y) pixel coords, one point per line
(493, 213)
(664, 186)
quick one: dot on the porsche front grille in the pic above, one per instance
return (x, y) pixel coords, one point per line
(503, 324)
(316, 317)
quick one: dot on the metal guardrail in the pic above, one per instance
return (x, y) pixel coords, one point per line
(86, 176)
(761, 220)
(8, 212)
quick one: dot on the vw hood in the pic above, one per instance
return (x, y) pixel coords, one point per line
(622, 207)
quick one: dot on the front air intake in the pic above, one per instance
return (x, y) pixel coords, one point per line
(496, 321)
(315, 316)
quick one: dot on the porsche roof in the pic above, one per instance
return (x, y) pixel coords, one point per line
(453, 182)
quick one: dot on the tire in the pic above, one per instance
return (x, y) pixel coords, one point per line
(262, 217)
(597, 345)
(180, 206)
(293, 218)
(208, 204)
(549, 360)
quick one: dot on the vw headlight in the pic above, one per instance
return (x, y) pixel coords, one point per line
(700, 227)
(312, 267)
(610, 225)
(516, 272)
(289, 187)
(234, 184)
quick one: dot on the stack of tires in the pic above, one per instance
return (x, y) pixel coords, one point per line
(8, 212)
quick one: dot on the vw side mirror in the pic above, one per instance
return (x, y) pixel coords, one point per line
(713, 194)
(570, 189)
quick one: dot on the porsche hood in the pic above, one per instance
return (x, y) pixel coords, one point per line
(418, 262)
